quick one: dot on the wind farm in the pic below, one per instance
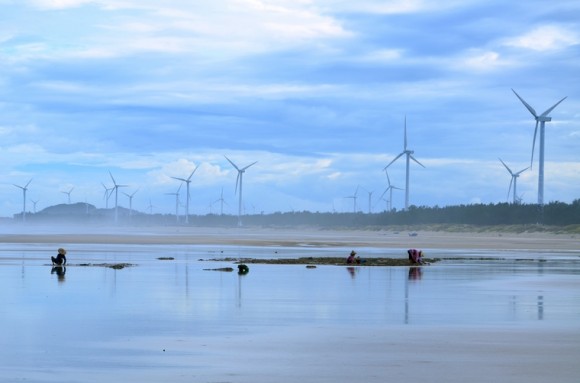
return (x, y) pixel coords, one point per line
(220, 172)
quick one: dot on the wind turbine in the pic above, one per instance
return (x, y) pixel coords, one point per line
(221, 201)
(108, 192)
(409, 156)
(116, 188)
(68, 194)
(187, 182)
(24, 189)
(370, 193)
(239, 182)
(131, 201)
(514, 180)
(34, 204)
(390, 190)
(354, 197)
(176, 194)
(541, 120)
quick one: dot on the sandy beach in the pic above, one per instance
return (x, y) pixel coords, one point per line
(234, 346)
(296, 237)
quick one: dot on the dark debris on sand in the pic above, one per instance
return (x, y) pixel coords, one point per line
(336, 261)
(116, 266)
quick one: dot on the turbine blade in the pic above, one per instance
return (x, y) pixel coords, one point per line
(414, 159)
(405, 138)
(28, 183)
(188, 178)
(534, 144)
(385, 192)
(234, 165)
(390, 163)
(237, 181)
(552, 108)
(508, 169)
(114, 183)
(521, 171)
(532, 111)
(388, 179)
(179, 179)
(253, 163)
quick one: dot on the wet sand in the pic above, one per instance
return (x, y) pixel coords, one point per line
(510, 353)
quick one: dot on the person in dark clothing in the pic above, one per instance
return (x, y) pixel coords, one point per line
(60, 259)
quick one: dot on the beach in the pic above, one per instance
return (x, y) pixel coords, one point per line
(302, 237)
(511, 320)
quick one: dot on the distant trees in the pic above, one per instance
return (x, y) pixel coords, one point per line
(552, 214)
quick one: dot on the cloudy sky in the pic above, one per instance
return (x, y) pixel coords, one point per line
(315, 91)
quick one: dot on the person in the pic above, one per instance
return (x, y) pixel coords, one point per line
(60, 259)
(351, 258)
(415, 256)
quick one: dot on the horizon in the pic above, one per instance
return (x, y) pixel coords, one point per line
(316, 93)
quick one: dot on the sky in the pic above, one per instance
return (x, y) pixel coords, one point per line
(316, 91)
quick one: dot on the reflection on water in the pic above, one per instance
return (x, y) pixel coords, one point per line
(179, 298)
(60, 271)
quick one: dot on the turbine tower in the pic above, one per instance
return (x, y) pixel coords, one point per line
(409, 156)
(239, 182)
(541, 120)
(513, 181)
(24, 189)
(68, 194)
(116, 189)
(187, 182)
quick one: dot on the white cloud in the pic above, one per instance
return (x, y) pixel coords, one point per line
(545, 38)
(59, 4)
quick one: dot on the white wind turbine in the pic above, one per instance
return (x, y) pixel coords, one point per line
(239, 182)
(187, 182)
(354, 197)
(409, 156)
(221, 201)
(24, 189)
(541, 120)
(68, 194)
(107, 195)
(390, 190)
(131, 201)
(370, 194)
(34, 204)
(513, 180)
(176, 194)
(116, 189)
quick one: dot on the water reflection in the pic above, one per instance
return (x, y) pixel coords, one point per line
(60, 271)
(352, 271)
(415, 273)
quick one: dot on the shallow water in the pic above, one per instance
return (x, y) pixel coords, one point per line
(95, 318)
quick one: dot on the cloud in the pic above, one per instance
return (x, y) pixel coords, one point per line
(59, 4)
(545, 38)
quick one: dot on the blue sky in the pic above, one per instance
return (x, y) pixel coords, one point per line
(316, 91)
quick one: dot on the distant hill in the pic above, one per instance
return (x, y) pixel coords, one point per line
(75, 209)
